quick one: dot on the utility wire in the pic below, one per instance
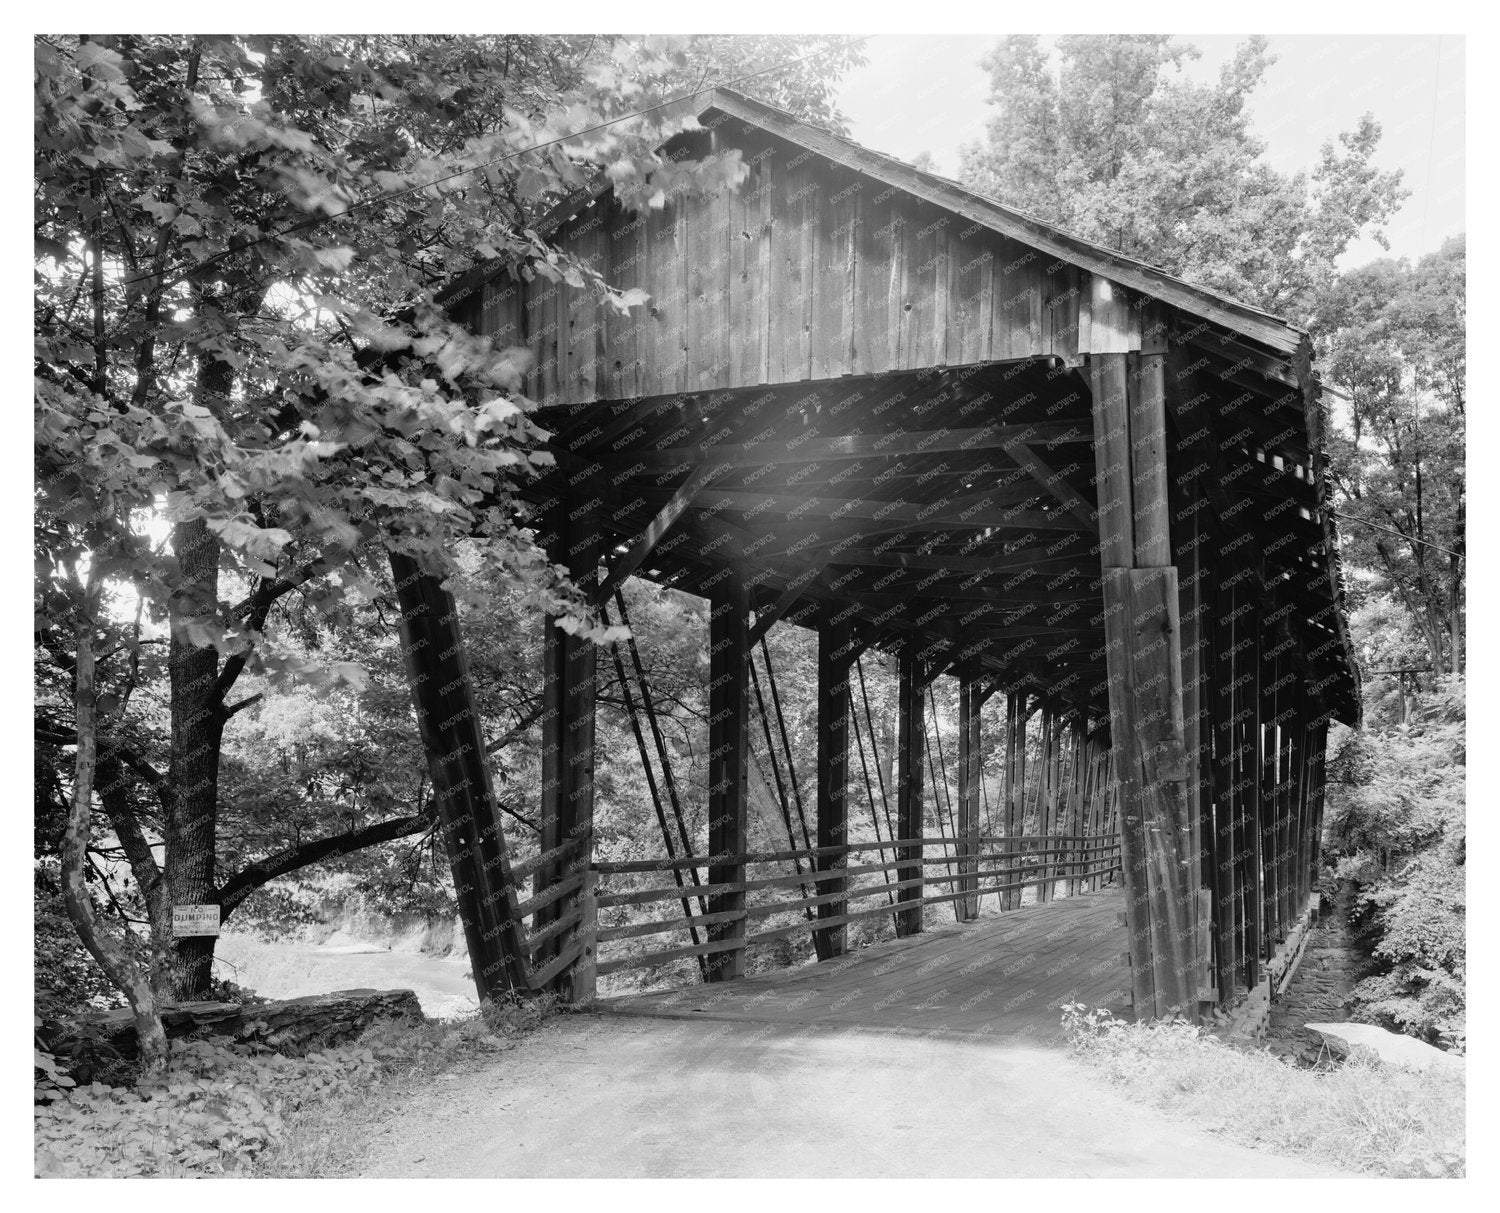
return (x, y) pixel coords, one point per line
(1399, 535)
(185, 272)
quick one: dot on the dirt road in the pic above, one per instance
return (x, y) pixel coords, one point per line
(597, 1096)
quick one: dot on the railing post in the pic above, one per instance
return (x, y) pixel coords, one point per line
(586, 971)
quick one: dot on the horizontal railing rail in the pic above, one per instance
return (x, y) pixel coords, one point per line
(972, 867)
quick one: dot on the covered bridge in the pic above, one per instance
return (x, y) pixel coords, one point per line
(863, 400)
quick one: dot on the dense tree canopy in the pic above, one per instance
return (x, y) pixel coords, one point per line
(1117, 146)
(246, 398)
(1394, 340)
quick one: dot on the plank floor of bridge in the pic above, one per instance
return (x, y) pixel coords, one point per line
(1002, 976)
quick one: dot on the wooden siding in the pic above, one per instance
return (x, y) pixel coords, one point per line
(807, 271)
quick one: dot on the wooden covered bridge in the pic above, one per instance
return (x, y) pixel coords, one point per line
(864, 401)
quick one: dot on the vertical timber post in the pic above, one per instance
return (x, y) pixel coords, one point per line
(1144, 659)
(728, 751)
(909, 738)
(567, 800)
(834, 660)
(969, 774)
(437, 666)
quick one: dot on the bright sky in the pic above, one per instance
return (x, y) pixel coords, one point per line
(928, 93)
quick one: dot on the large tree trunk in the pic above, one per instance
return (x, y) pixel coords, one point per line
(197, 731)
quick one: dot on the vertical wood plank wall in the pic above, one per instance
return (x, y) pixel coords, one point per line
(807, 271)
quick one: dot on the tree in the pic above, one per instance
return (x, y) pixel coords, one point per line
(244, 395)
(1394, 342)
(1118, 148)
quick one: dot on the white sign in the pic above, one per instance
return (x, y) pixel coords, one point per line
(195, 920)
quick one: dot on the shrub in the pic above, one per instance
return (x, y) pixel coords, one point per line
(1361, 1116)
(1396, 828)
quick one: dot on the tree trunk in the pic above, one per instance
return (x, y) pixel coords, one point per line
(197, 732)
(117, 963)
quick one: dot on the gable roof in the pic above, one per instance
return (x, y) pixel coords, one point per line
(1195, 300)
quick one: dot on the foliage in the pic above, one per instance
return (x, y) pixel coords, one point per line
(246, 396)
(225, 1109)
(1396, 828)
(65, 977)
(1393, 340)
(52, 1080)
(1116, 146)
(1360, 1117)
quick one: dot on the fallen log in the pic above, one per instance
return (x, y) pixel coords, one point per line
(291, 1025)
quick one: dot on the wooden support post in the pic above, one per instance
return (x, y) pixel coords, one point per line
(1144, 657)
(1196, 641)
(1252, 778)
(728, 751)
(835, 656)
(1014, 791)
(969, 775)
(1270, 744)
(909, 737)
(438, 668)
(1225, 862)
(567, 793)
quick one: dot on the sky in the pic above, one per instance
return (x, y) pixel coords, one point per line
(928, 93)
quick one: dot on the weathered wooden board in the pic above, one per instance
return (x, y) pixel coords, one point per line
(806, 270)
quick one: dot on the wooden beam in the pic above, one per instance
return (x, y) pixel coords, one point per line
(835, 656)
(795, 588)
(1143, 655)
(448, 719)
(970, 510)
(969, 775)
(910, 735)
(1055, 483)
(644, 543)
(1208, 339)
(728, 755)
(567, 791)
(799, 449)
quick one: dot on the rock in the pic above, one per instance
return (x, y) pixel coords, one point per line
(295, 1023)
(1391, 1047)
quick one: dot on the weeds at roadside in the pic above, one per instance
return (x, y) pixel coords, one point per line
(225, 1109)
(1361, 1116)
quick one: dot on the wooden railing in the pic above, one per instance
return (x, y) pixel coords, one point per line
(959, 872)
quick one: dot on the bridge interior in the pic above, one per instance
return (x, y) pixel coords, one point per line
(995, 978)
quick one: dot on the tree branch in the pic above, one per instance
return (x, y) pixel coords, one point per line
(244, 882)
(254, 609)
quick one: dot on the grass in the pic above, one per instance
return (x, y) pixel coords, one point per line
(1362, 1116)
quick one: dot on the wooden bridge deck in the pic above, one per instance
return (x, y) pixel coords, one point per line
(1005, 976)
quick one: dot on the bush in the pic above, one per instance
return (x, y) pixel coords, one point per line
(1362, 1116)
(1396, 831)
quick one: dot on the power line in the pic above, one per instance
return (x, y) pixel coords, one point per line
(1399, 535)
(184, 272)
